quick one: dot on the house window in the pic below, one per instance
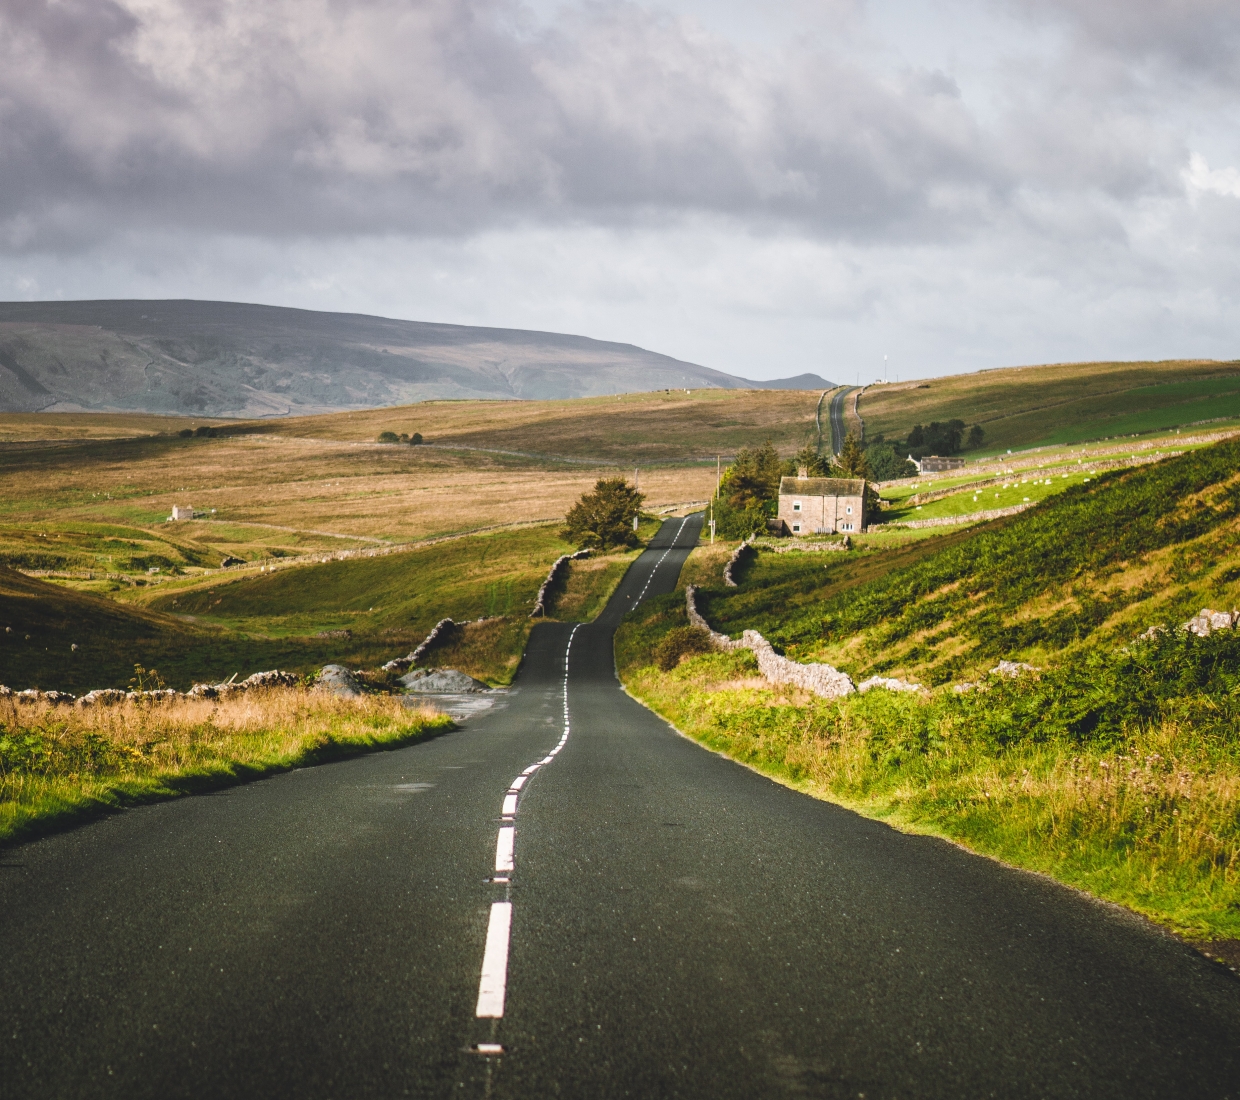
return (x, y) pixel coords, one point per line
(848, 510)
(846, 526)
(796, 527)
(797, 506)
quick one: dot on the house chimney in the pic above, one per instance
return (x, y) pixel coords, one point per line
(802, 471)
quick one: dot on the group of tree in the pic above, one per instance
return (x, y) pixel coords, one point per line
(404, 437)
(942, 438)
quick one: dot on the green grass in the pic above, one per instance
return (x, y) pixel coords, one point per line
(192, 628)
(59, 766)
(1116, 767)
(1152, 823)
(1108, 558)
(1022, 407)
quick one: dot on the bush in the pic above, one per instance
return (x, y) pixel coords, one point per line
(388, 437)
(415, 439)
(604, 518)
(185, 433)
(678, 643)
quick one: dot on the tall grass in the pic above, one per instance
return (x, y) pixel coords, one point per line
(61, 763)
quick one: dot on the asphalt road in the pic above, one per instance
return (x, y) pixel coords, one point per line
(835, 412)
(679, 927)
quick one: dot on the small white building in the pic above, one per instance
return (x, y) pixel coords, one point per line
(822, 505)
(181, 512)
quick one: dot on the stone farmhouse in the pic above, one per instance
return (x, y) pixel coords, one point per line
(821, 505)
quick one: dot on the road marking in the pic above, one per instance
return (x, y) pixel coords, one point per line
(660, 562)
(503, 848)
(494, 983)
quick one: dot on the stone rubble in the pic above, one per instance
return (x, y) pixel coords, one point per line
(1206, 622)
(339, 681)
(821, 679)
(445, 681)
(109, 696)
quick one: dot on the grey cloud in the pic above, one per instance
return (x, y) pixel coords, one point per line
(454, 115)
(1198, 37)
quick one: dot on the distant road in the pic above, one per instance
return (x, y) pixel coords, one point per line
(671, 925)
(838, 431)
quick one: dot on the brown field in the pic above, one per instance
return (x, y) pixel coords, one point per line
(298, 495)
(629, 430)
(68, 427)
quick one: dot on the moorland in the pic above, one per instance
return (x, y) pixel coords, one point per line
(1109, 760)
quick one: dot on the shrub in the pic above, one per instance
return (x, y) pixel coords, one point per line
(678, 643)
(388, 437)
(415, 439)
(185, 433)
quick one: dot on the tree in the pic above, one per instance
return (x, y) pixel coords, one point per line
(976, 434)
(887, 465)
(753, 477)
(851, 461)
(604, 518)
(388, 437)
(809, 460)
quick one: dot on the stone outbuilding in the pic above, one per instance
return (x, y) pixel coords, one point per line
(822, 505)
(181, 511)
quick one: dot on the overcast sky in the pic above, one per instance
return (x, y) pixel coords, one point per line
(766, 188)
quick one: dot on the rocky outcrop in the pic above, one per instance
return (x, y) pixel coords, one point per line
(1008, 670)
(1206, 622)
(445, 681)
(740, 554)
(888, 682)
(339, 681)
(553, 578)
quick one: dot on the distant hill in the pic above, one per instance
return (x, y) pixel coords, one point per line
(797, 382)
(228, 359)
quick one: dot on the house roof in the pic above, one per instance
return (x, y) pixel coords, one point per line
(821, 487)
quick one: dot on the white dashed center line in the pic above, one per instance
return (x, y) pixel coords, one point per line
(494, 981)
(642, 596)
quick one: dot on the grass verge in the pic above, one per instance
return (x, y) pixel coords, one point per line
(62, 765)
(1147, 816)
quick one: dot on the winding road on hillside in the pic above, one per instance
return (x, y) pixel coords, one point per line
(566, 898)
(836, 413)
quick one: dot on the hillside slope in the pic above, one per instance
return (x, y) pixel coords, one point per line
(1060, 403)
(229, 359)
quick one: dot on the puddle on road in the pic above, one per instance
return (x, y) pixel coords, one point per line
(460, 708)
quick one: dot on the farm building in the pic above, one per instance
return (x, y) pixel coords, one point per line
(181, 512)
(821, 505)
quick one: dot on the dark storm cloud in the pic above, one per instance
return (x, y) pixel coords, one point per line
(453, 115)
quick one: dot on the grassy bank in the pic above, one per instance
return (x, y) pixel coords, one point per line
(59, 765)
(1113, 764)
(1147, 816)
